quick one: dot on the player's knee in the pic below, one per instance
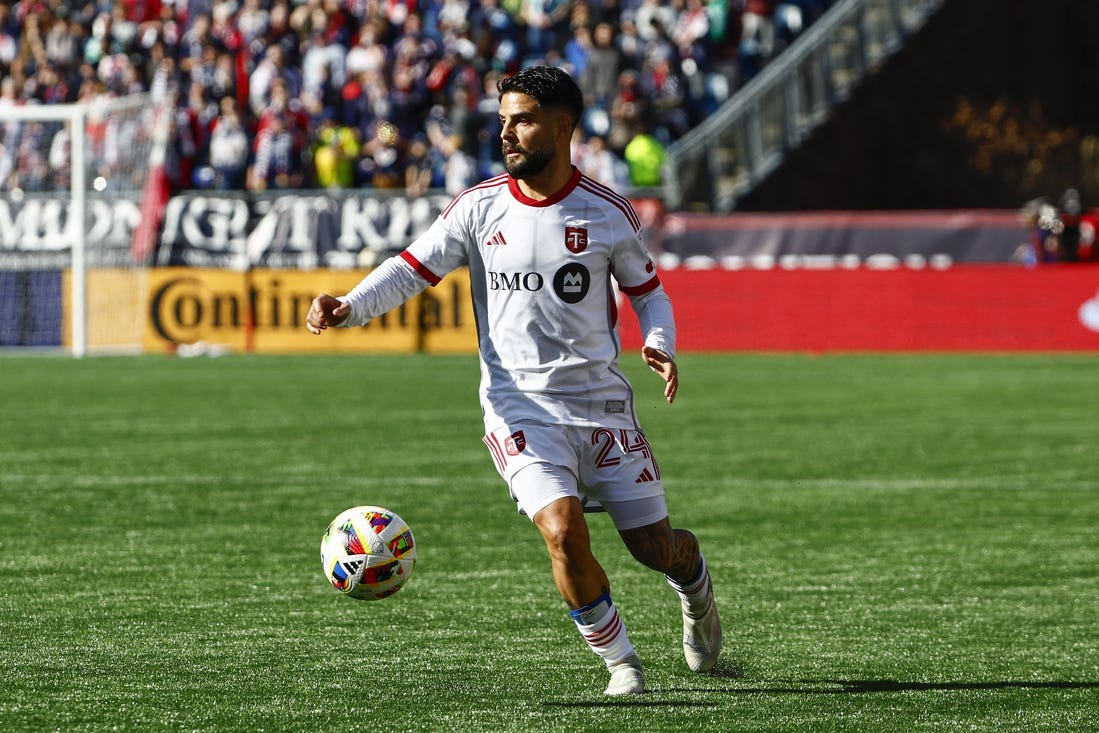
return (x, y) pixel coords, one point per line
(565, 533)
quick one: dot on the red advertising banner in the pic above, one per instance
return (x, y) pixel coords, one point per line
(963, 308)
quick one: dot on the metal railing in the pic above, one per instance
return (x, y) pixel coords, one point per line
(722, 159)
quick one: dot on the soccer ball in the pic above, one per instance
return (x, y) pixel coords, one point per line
(368, 553)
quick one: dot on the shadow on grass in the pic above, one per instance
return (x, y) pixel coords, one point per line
(647, 700)
(813, 687)
(727, 669)
(651, 699)
(862, 687)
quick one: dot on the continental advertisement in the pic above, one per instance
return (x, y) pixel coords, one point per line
(962, 308)
(264, 311)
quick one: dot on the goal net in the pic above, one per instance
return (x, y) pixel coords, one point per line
(82, 189)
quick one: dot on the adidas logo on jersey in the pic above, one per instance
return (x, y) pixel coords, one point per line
(496, 239)
(644, 477)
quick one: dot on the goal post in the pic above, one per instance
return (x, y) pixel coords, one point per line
(81, 194)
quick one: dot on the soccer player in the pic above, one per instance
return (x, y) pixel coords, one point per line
(542, 243)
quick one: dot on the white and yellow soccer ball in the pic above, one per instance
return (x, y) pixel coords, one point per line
(368, 552)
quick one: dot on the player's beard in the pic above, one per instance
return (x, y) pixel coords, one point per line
(528, 163)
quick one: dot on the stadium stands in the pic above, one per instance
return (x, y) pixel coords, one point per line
(367, 94)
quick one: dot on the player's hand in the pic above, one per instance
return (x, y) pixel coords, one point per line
(326, 311)
(665, 366)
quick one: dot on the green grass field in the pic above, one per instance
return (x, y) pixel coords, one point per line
(899, 543)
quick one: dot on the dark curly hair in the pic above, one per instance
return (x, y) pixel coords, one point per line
(550, 86)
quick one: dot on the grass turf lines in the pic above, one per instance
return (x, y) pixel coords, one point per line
(898, 543)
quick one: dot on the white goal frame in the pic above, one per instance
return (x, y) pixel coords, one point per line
(77, 117)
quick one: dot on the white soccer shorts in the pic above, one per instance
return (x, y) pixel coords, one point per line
(611, 466)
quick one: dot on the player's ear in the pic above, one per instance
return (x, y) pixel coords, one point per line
(565, 127)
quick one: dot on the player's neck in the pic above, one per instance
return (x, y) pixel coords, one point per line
(548, 182)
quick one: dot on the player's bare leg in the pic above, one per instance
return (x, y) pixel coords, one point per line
(579, 577)
(583, 584)
(675, 552)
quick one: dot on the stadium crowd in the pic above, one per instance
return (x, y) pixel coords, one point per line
(284, 94)
(1064, 231)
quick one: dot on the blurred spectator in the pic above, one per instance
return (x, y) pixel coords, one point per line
(54, 86)
(645, 156)
(1070, 210)
(9, 39)
(495, 32)
(252, 21)
(165, 81)
(270, 73)
(543, 20)
(691, 31)
(653, 20)
(60, 158)
(278, 33)
(380, 165)
(1046, 227)
(490, 159)
(194, 122)
(1089, 228)
(409, 97)
(229, 149)
(662, 85)
(599, 78)
(226, 34)
(629, 43)
(7, 163)
(420, 166)
(223, 81)
(193, 41)
(368, 54)
(459, 169)
(757, 36)
(288, 110)
(278, 162)
(203, 70)
(323, 73)
(597, 162)
(334, 154)
(578, 50)
(1065, 232)
(32, 168)
(63, 44)
(757, 24)
(629, 109)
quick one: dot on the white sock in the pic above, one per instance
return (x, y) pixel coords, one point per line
(697, 594)
(603, 629)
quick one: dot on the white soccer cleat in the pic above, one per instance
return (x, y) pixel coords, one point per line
(626, 678)
(702, 638)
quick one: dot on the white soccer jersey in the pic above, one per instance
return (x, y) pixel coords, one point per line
(545, 310)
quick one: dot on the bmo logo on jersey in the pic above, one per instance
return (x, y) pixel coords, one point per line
(515, 281)
(571, 282)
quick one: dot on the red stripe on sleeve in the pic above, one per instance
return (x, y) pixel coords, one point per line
(646, 287)
(419, 267)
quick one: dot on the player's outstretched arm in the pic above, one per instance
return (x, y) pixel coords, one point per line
(665, 366)
(326, 311)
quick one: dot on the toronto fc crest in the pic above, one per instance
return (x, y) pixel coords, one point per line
(515, 443)
(576, 239)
